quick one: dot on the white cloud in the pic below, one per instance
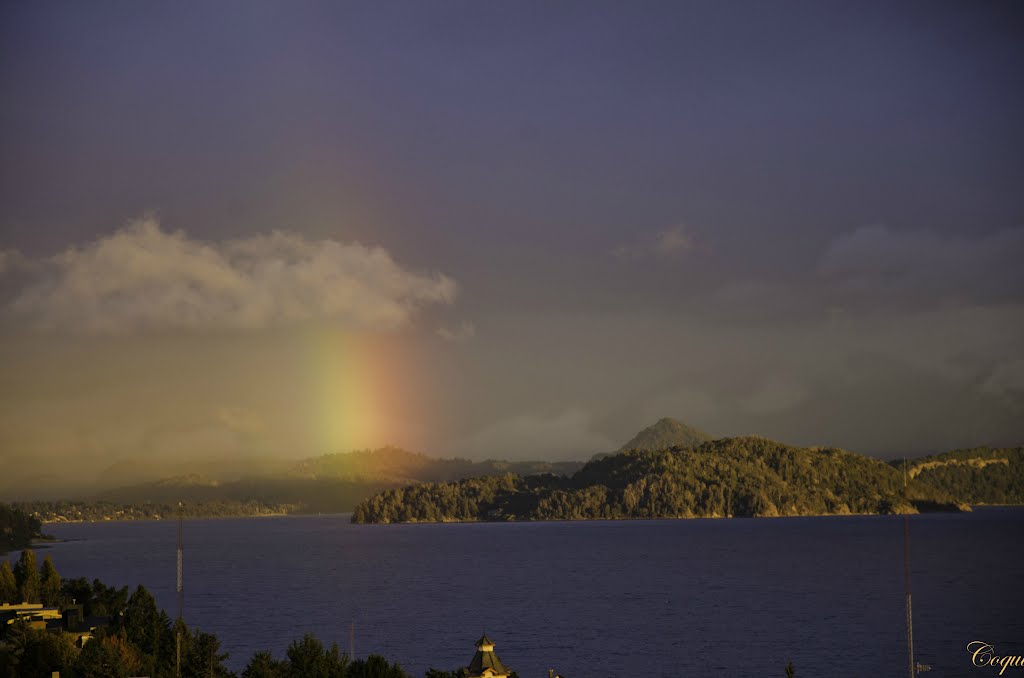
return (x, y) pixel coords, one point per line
(464, 331)
(143, 278)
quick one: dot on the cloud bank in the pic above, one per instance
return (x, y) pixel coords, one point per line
(568, 435)
(143, 279)
(877, 261)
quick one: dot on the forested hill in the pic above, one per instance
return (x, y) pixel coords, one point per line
(17, 528)
(747, 476)
(664, 434)
(979, 475)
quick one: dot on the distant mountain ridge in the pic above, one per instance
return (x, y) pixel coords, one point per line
(333, 483)
(394, 463)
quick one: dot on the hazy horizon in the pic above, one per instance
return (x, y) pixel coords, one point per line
(265, 231)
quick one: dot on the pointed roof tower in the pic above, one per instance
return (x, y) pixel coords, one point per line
(485, 663)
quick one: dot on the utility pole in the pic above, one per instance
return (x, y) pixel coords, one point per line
(352, 642)
(181, 603)
(906, 576)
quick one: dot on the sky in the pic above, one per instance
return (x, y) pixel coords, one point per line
(237, 230)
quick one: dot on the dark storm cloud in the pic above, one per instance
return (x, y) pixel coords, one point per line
(880, 263)
(799, 219)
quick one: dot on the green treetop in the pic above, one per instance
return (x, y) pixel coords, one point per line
(49, 585)
(27, 576)
(8, 584)
(263, 665)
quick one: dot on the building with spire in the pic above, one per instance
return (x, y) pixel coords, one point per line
(485, 663)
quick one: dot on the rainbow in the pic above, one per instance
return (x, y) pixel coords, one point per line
(364, 391)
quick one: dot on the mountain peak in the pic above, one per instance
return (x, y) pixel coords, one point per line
(664, 433)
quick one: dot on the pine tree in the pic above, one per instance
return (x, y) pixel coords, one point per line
(8, 584)
(49, 590)
(27, 576)
(142, 622)
(201, 656)
(101, 659)
(263, 665)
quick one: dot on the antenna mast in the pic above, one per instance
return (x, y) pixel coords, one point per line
(906, 577)
(181, 603)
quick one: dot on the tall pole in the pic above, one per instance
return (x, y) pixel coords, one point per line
(181, 602)
(906, 577)
(352, 642)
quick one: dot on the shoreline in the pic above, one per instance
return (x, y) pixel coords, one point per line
(620, 520)
(75, 521)
(297, 514)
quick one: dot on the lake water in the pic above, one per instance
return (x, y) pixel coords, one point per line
(655, 598)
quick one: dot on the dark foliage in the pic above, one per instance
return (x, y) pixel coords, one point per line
(980, 475)
(17, 528)
(747, 476)
(140, 639)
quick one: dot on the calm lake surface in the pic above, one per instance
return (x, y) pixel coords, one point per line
(734, 597)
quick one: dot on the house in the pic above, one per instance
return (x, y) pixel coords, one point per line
(35, 614)
(485, 663)
(53, 620)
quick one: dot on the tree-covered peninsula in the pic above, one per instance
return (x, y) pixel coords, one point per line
(980, 475)
(745, 476)
(17, 528)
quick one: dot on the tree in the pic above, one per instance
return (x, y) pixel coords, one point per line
(27, 576)
(8, 584)
(790, 672)
(142, 622)
(44, 653)
(17, 528)
(201, 657)
(79, 592)
(107, 601)
(17, 639)
(306, 657)
(375, 666)
(309, 659)
(263, 665)
(49, 587)
(166, 647)
(99, 659)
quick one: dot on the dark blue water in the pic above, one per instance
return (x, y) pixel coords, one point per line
(654, 598)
